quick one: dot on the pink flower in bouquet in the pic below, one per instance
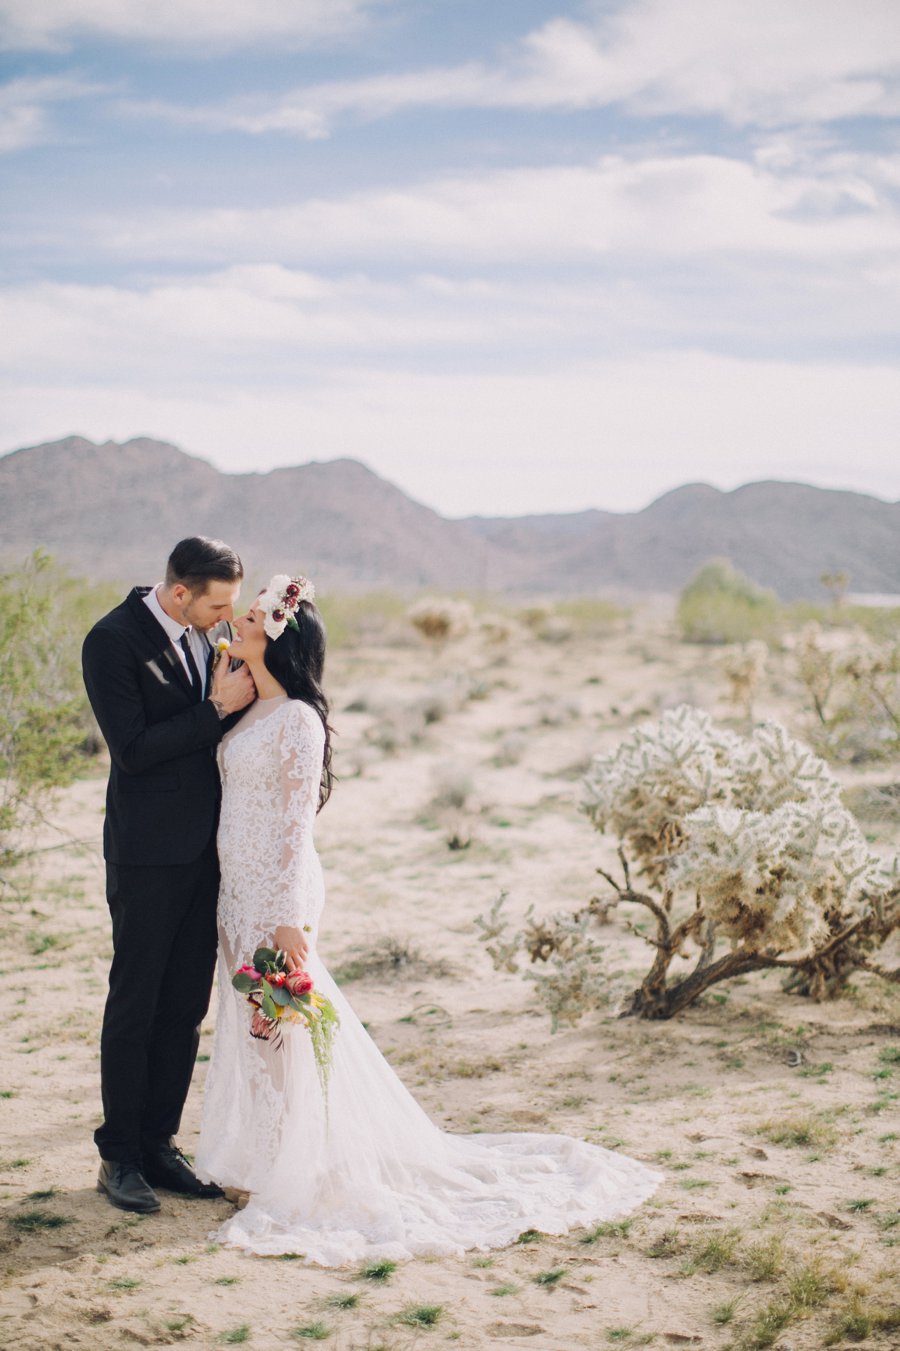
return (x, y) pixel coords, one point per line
(299, 982)
(248, 970)
(261, 1026)
(276, 977)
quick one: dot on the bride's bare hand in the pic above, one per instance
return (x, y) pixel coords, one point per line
(295, 945)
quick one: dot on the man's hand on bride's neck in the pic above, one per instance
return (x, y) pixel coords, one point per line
(267, 687)
(231, 691)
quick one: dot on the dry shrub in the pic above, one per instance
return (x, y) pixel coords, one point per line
(440, 619)
(744, 668)
(852, 687)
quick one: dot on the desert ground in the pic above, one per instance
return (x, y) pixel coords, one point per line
(773, 1118)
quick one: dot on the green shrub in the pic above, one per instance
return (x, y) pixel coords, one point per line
(45, 721)
(721, 605)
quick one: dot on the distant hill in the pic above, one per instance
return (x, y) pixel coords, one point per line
(114, 510)
(783, 535)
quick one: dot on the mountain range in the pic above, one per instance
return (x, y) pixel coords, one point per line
(113, 511)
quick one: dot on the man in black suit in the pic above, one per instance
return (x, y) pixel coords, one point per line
(162, 705)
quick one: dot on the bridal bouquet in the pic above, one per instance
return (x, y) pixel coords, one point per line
(279, 998)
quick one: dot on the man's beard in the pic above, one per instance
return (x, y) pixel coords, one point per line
(187, 619)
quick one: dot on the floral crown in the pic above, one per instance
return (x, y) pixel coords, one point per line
(280, 600)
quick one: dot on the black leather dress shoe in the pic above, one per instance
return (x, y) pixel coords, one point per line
(166, 1166)
(126, 1187)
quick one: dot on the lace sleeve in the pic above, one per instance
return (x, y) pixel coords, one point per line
(301, 745)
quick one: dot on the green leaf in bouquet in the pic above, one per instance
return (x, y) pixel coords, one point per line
(264, 957)
(269, 1007)
(280, 995)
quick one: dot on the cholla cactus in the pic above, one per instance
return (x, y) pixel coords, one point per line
(742, 841)
(439, 619)
(771, 879)
(642, 791)
(744, 668)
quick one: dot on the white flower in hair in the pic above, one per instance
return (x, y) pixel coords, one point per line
(280, 600)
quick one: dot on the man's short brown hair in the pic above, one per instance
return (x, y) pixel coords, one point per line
(197, 561)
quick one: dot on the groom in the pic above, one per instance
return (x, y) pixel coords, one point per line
(162, 706)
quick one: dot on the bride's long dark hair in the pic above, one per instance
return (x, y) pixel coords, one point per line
(297, 660)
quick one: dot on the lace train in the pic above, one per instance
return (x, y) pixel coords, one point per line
(374, 1178)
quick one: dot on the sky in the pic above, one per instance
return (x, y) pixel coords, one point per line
(519, 256)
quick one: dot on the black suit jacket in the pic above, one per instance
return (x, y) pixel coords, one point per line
(162, 800)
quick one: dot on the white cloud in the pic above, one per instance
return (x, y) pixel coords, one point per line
(203, 24)
(25, 105)
(751, 62)
(271, 326)
(664, 207)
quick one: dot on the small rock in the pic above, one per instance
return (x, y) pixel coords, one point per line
(833, 1221)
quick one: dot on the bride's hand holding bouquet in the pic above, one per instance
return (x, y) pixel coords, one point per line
(280, 993)
(294, 944)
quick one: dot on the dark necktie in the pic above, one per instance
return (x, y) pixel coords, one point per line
(196, 682)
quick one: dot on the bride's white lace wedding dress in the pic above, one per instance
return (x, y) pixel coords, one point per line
(378, 1179)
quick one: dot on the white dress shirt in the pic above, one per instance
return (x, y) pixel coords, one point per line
(198, 644)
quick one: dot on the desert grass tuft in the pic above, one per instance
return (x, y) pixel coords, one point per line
(859, 1318)
(550, 1277)
(236, 1335)
(33, 1221)
(800, 1131)
(764, 1261)
(609, 1229)
(724, 1313)
(713, 1251)
(507, 1289)
(421, 1315)
(378, 1271)
(349, 1301)
(530, 1236)
(667, 1244)
(312, 1332)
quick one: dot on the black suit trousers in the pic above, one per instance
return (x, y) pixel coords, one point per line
(164, 952)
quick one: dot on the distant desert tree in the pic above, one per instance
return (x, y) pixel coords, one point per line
(44, 720)
(440, 618)
(721, 605)
(747, 859)
(836, 584)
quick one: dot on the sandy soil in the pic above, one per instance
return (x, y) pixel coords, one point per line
(700, 1096)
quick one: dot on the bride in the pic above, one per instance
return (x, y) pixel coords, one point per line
(374, 1178)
